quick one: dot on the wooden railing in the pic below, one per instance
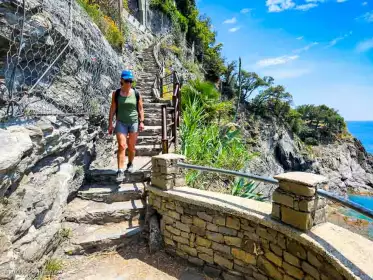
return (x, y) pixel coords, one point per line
(170, 125)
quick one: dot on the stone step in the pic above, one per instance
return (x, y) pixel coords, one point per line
(152, 105)
(153, 121)
(88, 239)
(110, 193)
(109, 175)
(152, 100)
(149, 140)
(156, 115)
(147, 150)
(99, 213)
(151, 130)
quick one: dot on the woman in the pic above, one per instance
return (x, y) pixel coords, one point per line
(127, 105)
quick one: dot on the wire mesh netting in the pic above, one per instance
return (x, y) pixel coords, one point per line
(57, 62)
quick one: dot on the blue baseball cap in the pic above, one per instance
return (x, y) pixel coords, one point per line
(127, 75)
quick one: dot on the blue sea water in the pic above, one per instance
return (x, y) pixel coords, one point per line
(364, 132)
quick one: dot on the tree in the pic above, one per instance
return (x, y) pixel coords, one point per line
(251, 82)
(229, 89)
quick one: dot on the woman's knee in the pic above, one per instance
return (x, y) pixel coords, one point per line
(122, 146)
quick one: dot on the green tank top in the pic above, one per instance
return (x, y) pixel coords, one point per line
(127, 108)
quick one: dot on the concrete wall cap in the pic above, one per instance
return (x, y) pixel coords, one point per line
(169, 156)
(302, 178)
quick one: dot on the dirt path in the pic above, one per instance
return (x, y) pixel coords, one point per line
(131, 263)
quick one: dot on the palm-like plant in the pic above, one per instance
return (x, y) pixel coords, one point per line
(246, 189)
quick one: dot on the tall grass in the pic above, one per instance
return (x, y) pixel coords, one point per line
(205, 142)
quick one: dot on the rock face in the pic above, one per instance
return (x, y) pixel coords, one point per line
(41, 165)
(345, 163)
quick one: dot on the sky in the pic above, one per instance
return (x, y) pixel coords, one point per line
(320, 50)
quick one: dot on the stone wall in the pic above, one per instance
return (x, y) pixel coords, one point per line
(236, 247)
(42, 163)
(236, 238)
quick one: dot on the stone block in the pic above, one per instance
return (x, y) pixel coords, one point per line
(276, 211)
(170, 242)
(181, 240)
(167, 220)
(287, 277)
(243, 269)
(252, 236)
(320, 216)
(179, 209)
(184, 234)
(214, 236)
(189, 250)
(203, 242)
(233, 223)
(244, 256)
(199, 222)
(221, 248)
(283, 198)
(309, 277)
(259, 276)
(297, 189)
(281, 241)
(166, 233)
(307, 179)
(299, 220)
(212, 271)
(170, 205)
(271, 270)
(207, 258)
(182, 226)
(174, 215)
(247, 227)
(198, 230)
(273, 258)
(297, 250)
(289, 258)
(192, 237)
(263, 233)
(205, 250)
(186, 219)
(228, 231)
(311, 205)
(195, 261)
(181, 254)
(312, 259)
(231, 276)
(233, 241)
(276, 249)
(310, 270)
(205, 216)
(331, 272)
(223, 261)
(219, 220)
(173, 230)
(212, 227)
(293, 271)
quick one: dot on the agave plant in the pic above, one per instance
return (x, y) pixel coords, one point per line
(246, 189)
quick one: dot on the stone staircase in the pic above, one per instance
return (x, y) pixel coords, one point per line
(107, 214)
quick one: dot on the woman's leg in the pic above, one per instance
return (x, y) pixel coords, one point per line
(122, 145)
(132, 139)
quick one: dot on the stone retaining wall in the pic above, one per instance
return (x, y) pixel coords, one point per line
(236, 247)
(236, 238)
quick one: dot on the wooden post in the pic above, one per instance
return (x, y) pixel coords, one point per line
(161, 86)
(164, 130)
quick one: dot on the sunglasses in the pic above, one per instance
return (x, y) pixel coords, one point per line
(128, 81)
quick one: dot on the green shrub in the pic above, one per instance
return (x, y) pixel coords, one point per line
(311, 141)
(246, 189)
(105, 23)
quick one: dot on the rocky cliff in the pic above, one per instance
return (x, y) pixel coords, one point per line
(346, 163)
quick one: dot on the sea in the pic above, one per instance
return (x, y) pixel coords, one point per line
(362, 130)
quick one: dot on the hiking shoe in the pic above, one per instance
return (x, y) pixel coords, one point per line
(120, 176)
(130, 168)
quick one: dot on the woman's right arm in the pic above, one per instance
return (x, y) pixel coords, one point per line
(112, 112)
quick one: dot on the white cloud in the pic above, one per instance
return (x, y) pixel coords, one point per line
(230, 21)
(300, 38)
(245, 11)
(367, 16)
(315, 1)
(276, 60)
(341, 1)
(365, 45)
(336, 40)
(306, 7)
(306, 48)
(282, 74)
(364, 3)
(234, 29)
(275, 6)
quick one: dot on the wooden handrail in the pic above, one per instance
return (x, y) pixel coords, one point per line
(176, 110)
